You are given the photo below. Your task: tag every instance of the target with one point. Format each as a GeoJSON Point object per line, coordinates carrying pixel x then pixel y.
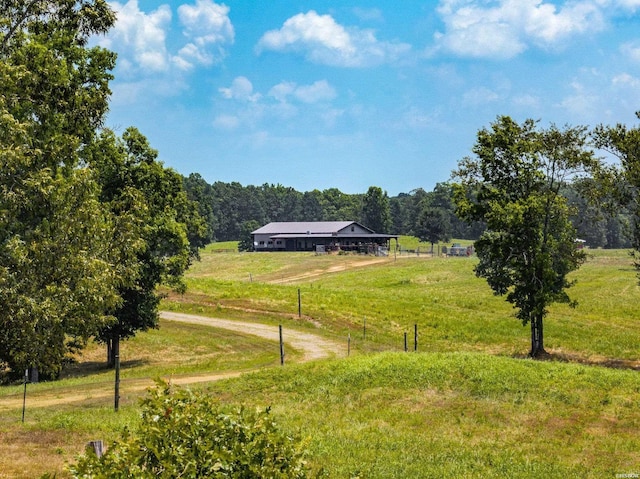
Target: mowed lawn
{"type": "Point", "coordinates": [467, 404]}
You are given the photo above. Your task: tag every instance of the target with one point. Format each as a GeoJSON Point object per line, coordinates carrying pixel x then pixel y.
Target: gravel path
{"type": "Point", "coordinates": [311, 345]}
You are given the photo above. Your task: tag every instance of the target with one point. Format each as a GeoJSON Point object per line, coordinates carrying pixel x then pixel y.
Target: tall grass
{"type": "Point", "coordinates": [454, 415]}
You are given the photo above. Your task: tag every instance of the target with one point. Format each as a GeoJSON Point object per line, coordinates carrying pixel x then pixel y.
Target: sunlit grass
{"type": "Point", "coordinates": [453, 309]}
{"type": "Point", "coordinates": [466, 405]}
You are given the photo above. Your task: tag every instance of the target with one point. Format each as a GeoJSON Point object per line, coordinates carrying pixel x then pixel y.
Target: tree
{"type": "Point", "coordinates": [624, 143]}
{"type": "Point", "coordinates": [433, 225]}
{"type": "Point", "coordinates": [246, 240]}
{"type": "Point", "coordinates": [513, 184]}
{"type": "Point", "coordinates": [149, 200]}
{"type": "Point", "coordinates": [376, 213]}
{"type": "Point", "coordinates": [56, 278]}
{"type": "Point", "coordinates": [200, 192]}
{"type": "Point", "coordinates": [189, 434]}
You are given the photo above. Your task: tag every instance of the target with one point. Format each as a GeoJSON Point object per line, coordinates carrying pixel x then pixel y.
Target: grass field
{"type": "Point", "coordinates": [466, 405]}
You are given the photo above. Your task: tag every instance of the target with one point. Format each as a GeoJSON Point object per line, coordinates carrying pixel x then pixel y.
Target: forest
{"type": "Point", "coordinates": [232, 210]}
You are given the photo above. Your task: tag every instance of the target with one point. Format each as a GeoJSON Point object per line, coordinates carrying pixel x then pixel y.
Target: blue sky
{"type": "Point", "coordinates": [321, 94]}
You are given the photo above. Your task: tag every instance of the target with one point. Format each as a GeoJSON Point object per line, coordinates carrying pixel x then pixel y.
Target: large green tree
{"type": "Point", "coordinates": [513, 183]}
{"type": "Point", "coordinates": [624, 184]}
{"type": "Point", "coordinates": [433, 225]}
{"type": "Point", "coordinates": [376, 212]}
{"type": "Point", "coordinates": [56, 275]}
{"type": "Point", "coordinates": [148, 199]}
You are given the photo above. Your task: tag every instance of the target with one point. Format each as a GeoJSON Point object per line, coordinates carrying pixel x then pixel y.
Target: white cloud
{"type": "Point", "coordinates": [480, 96]}
{"type": "Point", "coordinates": [140, 37]}
{"type": "Point", "coordinates": [322, 40]}
{"type": "Point", "coordinates": [631, 50]}
{"type": "Point", "coordinates": [314, 93]}
{"type": "Point", "coordinates": [207, 27]}
{"type": "Point", "coordinates": [627, 81]}
{"type": "Point", "coordinates": [583, 102]}
{"type": "Point", "coordinates": [505, 28]}
{"type": "Point", "coordinates": [226, 122]}
{"type": "Point", "coordinates": [627, 4]}
{"type": "Point", "coordinates": [241, 89]}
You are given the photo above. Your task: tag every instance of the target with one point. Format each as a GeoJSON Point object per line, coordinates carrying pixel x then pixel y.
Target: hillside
{"type": "Point", "coordinates": [466, 404]}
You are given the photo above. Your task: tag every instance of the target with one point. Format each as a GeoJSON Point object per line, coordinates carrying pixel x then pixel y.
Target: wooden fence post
{"type": "Point", "coordinates": [24, 397]}
{"type": "Point", "coordinates": [97, 447]}
{"type": "Point", "coordinates": [281, 346]}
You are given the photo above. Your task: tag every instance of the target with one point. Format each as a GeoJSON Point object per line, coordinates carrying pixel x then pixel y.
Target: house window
{"type": "Point", "coordinates": [353, 228]}
{"type": "Point", "coordinates": [261, 243]}
{"type": "Point", "coordinates": [278, 242]}
{"type": "Point", "coordinates": [270, 243]}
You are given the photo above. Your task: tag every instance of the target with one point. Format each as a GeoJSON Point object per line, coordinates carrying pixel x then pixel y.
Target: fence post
{"type": "Point", "coordinates": [97, 447]}
{"type": "Point", "coordinates": [281, 346]}
{"type": "Point", "coordinates": [116, 400]}
{"type": "Point", "coordinates": [405, 342]}
{"type": "Point", "coordinates": [299, 304]}
{"type": "Point", "coordinates": [349, 345]}
{"type": "Point", "coordinates": [24, 397]}
{"type": "Point", "coordinates": [415, 337]}
{"type": "Point", "coordinates": [364, 328]}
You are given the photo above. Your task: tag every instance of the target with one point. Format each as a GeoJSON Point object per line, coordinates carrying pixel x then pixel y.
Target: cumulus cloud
{"type": "Point", "coordinates": [208, 28]}
{"type": "Point", "coordinates": [322, 40]}
{"type": "Point", "coordinates": [141, 35]}
{"type": "Point", "coordinates": [241, 89]}
{"type": "Point", "coordinates": [504, 28]}
{"type": "Point", "coordinates": [316, 92]}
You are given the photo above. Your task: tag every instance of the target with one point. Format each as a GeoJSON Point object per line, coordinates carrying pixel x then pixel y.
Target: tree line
{"type": "Point", "coordinates": [232, 211]}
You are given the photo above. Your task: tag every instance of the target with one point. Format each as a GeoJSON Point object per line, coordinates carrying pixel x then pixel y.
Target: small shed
{"type": "Point", "coordinates": [320, 235]}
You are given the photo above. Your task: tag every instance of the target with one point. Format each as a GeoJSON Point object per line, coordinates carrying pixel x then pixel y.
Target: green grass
{"type": "Point", "coordinates": [466, 405]}
{"type": "Point", "coordinates": [454, 415]}
{"type": "Point", "coordinates": [454, 310]}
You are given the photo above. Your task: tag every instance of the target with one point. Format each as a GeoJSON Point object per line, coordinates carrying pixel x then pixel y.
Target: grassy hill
{"type": "Point", "coordinates": [465, 405]}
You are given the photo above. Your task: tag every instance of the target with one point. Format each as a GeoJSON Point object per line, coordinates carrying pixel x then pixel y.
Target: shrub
{"type": "Point", "coordinates": [188, 435]}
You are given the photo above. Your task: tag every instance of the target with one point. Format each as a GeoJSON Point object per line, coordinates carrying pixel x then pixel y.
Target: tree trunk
{"type": "Point", "coordinates": [537, 337]}
{"type": "Point", "coordinates": [109, 344]}
{"type": "Point", "coordinates": [113, 350]}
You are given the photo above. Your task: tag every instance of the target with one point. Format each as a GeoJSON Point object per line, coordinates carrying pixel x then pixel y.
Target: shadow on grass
{"type": "Point", "coordinates": [88, 368]}
{"type": "Point", "coordinates": [565, 357]}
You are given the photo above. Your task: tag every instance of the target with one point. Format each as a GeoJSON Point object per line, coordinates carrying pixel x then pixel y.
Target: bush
{"type": "Point", "coordinates": [190, 435]}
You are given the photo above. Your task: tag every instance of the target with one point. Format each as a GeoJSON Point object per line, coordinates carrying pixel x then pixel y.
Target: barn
{"type": "Point", "coordinates": [320, 236]}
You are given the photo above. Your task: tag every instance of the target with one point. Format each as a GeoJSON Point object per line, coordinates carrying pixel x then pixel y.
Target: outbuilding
{"type": "Point", "coordinates": [320, 236]}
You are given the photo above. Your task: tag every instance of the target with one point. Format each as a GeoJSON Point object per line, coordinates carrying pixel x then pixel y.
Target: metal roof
{"type": "Point", "coordinates": [305, 227]}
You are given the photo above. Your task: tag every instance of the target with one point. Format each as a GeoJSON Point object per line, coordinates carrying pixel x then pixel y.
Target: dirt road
{"type": "Point", "coordinates": [311, 345]}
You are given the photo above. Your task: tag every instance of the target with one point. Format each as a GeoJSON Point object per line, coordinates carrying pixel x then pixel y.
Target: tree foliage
{"type": "Point", "coordinates": [55, 264]}
{"type": "Point", "coordinates": [376, 213]}
{"type": "Point", "coordinates": [151, 204]}
{"type": "Point", "coordinates": [513, 183]}
{"type": "Point", "coordinates": [190, 435]}
{"type": "Point", "coordinates": [624, 143]}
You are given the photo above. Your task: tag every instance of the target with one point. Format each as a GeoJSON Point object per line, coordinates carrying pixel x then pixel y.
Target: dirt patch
{"type": "Point", "coordinates": [333, 269]}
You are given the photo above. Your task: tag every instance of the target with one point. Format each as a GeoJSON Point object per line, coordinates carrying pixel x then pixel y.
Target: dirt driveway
{"type": "Point", "coordinates": [311, 345]}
